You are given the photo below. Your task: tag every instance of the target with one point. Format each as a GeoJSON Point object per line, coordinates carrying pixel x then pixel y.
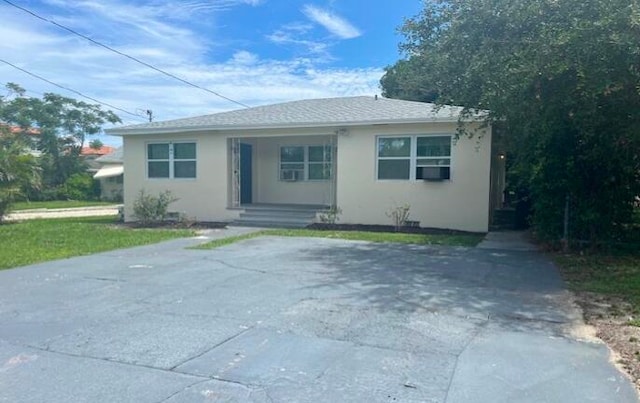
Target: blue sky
{"type": "Point", "coordinates": [254, 51]}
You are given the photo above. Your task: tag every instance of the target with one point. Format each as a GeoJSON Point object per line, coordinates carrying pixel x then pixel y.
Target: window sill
{"type": "Point", "coordinates": [307, 181]}
{"type": "Point", "coordinates": [413, 180]}
{"type": "Point", "coordinates": [172, 179]}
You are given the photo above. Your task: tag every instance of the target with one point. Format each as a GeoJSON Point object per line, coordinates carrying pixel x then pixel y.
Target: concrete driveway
{"type": "Point", "coordinates": [297, 320]}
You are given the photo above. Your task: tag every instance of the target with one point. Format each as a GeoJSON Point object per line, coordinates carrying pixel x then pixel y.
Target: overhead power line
{"type": "Point", "coordinates": [125, 55]}
{"type": "Point", "coordinates": [69, 89]}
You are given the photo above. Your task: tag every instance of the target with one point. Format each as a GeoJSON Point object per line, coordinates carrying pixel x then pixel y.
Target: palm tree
{"type": "Point", "coordinates": [18, 169]}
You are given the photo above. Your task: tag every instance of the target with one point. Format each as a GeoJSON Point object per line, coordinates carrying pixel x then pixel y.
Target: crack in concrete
{"type": "Point", "coordinates": [173, 369]}
{"type": "Point", "coordinates": [480, 328]}
{"type": "Point", "coordinates": [248, 386]}
{"type": "Point", "coordinates": [243, 268]}
{"type": "Point", "coordinates": [115, 280]}
{"type": "Point", "coordinates": [232, 266]}
{"type": "Point", "coordinates": [183, 389]}
{"type": "Point", "coordinates": [90, 357]}
{"type": "Point", "coordinates": [251, 388]}
{"type": "Point", "coordinates": [266, 393]}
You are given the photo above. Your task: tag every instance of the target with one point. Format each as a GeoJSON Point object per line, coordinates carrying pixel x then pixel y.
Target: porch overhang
{"type": "Point", "coordinates": [109, 172]}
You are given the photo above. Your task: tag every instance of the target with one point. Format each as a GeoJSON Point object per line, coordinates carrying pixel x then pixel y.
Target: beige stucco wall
{"type": "Point", "coordinates": [461, 203]}
{"type": "Point", "coordinates": [203, 198]}
{"type": "Point", "coordinates": [207, 197]}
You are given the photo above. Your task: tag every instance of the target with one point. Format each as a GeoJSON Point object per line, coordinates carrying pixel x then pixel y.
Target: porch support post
{"type": "Point", "coordinates": [334, 170]}
{"type": "Point", "coordinates": [235, 172]}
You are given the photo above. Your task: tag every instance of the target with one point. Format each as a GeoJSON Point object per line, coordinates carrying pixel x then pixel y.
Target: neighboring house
{"type": "Point", "coordinates": [32, 136]}
{"type": "Point", "coordinates": [89, 155]}
{"type": "Point", "coordinates": [110, 174]}
{"type": "Point", "coordinates": [365, 155]}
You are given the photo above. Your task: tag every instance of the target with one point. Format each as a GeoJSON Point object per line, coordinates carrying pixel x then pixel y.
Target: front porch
{"type": "Point", "coordinates": [282, 172]}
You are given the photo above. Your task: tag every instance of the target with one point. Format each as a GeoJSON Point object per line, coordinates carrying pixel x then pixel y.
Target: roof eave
{"type": "Point", "coordinates": [184, 129]}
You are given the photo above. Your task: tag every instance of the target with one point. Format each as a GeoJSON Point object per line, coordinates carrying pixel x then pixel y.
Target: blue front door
{"type": "Point", "coordinates": [245, 173]}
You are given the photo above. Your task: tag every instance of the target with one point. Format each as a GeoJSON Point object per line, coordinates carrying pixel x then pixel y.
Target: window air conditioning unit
{"type": "Point", "coordinates": [291, 175]}
{"type": "Point", "coordinates": [433, 173]}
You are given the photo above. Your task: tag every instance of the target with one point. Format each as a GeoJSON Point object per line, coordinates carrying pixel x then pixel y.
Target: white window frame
{"type": "Point", "coordinates": [413, 155]}
{"type": "Point", "coordinates": [305, 163]}
{"type": "Point", "coordinates": [280, 163]}
{"type": "Point", "coordinates": [171, 160]}
{"type": "Point", "coordinates": [402, 158]}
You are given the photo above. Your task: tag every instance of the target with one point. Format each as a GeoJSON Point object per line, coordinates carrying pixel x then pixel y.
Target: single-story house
{"type": "Point", "coordinates": [89, 155]}
{"type": "Point", "coordinates": [364, 155]}
{"type": "Point", "coordinates": [110, 173]}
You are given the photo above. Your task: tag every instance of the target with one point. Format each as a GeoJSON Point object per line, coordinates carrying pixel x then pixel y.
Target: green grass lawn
{"type": "Point", "coordinates": [604, 274]}
{"type": "Point", "coordinates": [56, 204]}
{"type": "Point", "coordinates": [34, 241]}
{"type": "Point", "coordinates": [419, 239]}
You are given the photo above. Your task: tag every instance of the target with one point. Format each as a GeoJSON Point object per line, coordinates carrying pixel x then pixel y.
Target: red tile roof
{"type": "Point", "coordinates": [18, 129]}
{"type": "Point", "coordinates": [104, 150]}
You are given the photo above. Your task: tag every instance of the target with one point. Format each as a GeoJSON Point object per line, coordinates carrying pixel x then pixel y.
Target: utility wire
{"type": "Point", "coordinates": [69, 89]}
{"type": "Point", "coordinates": [125, 55]}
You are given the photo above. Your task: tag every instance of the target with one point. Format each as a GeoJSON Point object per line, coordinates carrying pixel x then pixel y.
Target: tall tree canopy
{"type": "Point", "coordinates": [561, 77]}
{"type": "Point", "coordinates": [63, 125]}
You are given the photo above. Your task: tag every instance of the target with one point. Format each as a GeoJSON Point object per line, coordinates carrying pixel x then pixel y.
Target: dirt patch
{"type": "Point", "coordinates": [609, 316]}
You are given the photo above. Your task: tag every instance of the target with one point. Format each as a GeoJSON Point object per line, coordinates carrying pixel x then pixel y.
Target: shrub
{"type": "Point", "coordinates": [149, 209]}
{"type": "Point", "coordinates": [399, 215]}
{"type": "Point", "coordinates": [330, 216]}
{"type": "Point", "coordinates": [81, 186]}
{"type": "Point", "coordinates": [45, 194]}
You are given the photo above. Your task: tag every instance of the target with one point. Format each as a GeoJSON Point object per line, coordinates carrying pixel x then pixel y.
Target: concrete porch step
{"type": "Point", "coordinates": [277, 216]}
{"type": "Point", "coordinates": [268, 224]}
{"type": "Point", "coordinates": [303, 215]}
{"type": "Point", "coordinates": [504, 219]}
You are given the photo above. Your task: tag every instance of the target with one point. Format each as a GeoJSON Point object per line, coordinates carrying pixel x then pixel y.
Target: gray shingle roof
{"type": "Point", "coordinates": [348, 111]}
{"type": "Point", "coordinates": [111, 158]}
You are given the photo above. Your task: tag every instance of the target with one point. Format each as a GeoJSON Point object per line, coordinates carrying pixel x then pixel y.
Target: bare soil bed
{"type": "Point", "coordinates": [389, 228]}
{"type": "Point", "coordinates": [610, 316]}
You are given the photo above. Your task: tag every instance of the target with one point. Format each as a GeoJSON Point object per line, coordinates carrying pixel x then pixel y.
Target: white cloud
{"type": "Point", "coordinates": [244, 58]}
{"type": "Point", "coordinates": [286, 36]}
{"type": "Point", "coordinates": [167, 8]}
{"type": "Point", "coordinates": [335, 24]}
{"type": "Point", "coordinates": [175, 47]}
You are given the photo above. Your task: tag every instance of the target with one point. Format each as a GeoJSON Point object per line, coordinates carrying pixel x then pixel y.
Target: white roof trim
{"type": "Point", "coordinates": [183, 129]}
{"type": "Point", "coordinates": [109, 171]}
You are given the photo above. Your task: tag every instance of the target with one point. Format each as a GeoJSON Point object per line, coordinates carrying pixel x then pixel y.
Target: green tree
{"type": "Point", "coordinates": [96, 144]}
{"type": "Point", "coordinates": [405, 80]}
{"type": "Point", "coordinates": [18, 168]}
{"type": "Point", "coordinates": [63, 124]}
{"type": "Point", "coordinates": [562, 78]}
